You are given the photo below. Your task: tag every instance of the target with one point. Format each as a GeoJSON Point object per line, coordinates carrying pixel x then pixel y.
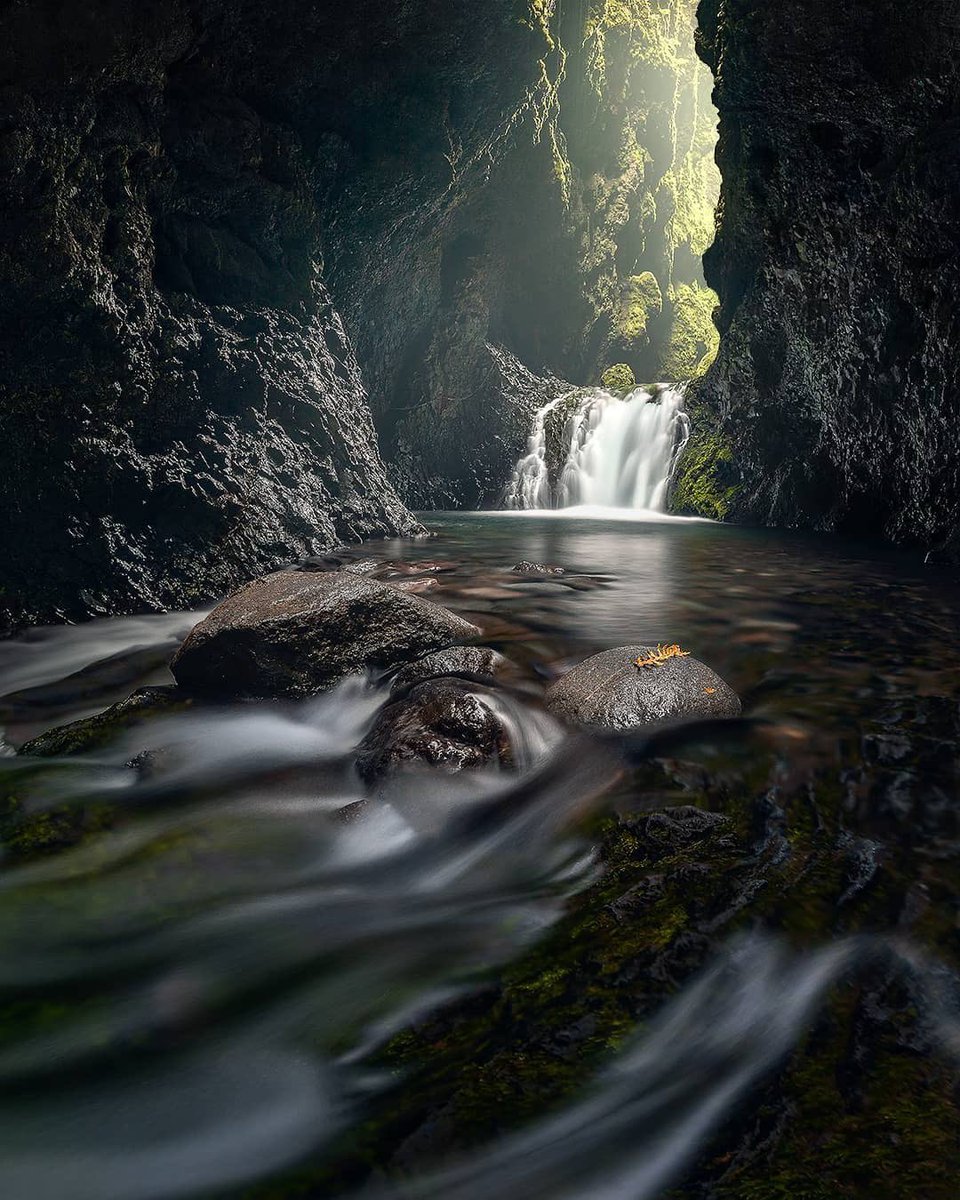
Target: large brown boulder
{"type": "Point", "coordinates": [609, 691]}
{"type": "Point", "coordinates": [295, 634]}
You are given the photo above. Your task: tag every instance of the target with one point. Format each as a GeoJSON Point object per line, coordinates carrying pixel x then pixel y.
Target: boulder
{"type": "Point", "coordinates": [471, 661]}
{"type": "Point", "coordinates": [294, 634]}
{"type": "Point", "coordinates": [610, 691]}
{"type": "Point", "coordinates": [93, 733]}
{"type": "Point", "coordinates": [440, 723]}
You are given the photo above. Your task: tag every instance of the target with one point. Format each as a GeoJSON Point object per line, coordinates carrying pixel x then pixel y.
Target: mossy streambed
{"type": "Point", "coordinates": [227, 943]}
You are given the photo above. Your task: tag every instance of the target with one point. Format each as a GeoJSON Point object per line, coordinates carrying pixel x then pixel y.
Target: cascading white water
{"type": "Point", "coordinates": [615, 451]}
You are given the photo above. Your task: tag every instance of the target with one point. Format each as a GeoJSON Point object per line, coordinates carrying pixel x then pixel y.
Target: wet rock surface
{"type": "Point", "coordinates": [472, 661]}
{"type": "Point", "coordinates": [609, 691]}
{"type": "Point", "coordinates": [836, 262]}
{"type": "Point", "coordinates": [536, 568]}
{"type": "Point", "coordinates": [294, 634]}
{"type": "Point", "coordinates": [441, 723]}
{"type": "Point", "coordinates": [91, 733]}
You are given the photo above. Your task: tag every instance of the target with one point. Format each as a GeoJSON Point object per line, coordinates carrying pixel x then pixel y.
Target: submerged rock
{"type": "Point", "coordinates": [536, 568]}
{"type": "Point", "coordinates": [472, 661]}
{"type": "Point", "coordinates": [294, 634]}
{"type": "Point", "coordinates": [440, 723]}
{"type": "Point", "coordinates": [610, 691]}
{"type": "Point", "coordinates": [91, 733]}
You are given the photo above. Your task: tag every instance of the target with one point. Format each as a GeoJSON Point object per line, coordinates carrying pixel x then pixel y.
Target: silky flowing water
{"type": "Point", "coordinates": [195, 999]}
{"type": "Point", "coordinates": [609, 451]}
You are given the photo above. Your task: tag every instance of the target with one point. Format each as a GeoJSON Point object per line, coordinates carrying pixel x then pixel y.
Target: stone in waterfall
{"type": "Point", "coordinates": [440, 723]}
{"type": "Point", "coordinates": [610, 691]}
{"type": "Point", "coordinates": [294, 634]}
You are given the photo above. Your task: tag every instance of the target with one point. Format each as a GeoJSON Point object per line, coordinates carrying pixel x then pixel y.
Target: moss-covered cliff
{"type": "Point", "coordinates": [572, 237]}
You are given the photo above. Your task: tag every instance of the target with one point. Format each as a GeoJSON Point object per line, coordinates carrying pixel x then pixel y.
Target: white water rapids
{"type": "Point", "coordinates": [616, 452]}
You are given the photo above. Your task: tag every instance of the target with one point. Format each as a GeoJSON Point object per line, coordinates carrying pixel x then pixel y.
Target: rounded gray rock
{"type": "Point", "coordinates": [609, 691]}
{"type": "Point", "coordinates": [294, 634]}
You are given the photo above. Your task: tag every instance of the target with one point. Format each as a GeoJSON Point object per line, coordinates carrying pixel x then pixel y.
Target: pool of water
{"type": "Point", "coordinates": [195, 996]}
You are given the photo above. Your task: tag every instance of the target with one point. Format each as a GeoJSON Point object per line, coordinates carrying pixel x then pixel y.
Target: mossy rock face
{"type": "Point", "coordinates": [92, 733]}
{"type": "Point", "coordinates": [694, 340]}
{"type": "Point", "coordinates": [619, 378]}
{"type": "Point", "coordinates": [26, 836]}
{"type": "Point", "coordinates": [642, 298]}
{"type": "Point", "coordinates": [707, 481]}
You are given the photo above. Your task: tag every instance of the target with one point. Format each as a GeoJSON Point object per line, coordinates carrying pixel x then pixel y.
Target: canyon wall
{"type": "Point", "coordinates": [275, 273]}
{"type": "Point", "coordinates": [247, 245]}
{"type": "Point", "coordinates": [838, 263]}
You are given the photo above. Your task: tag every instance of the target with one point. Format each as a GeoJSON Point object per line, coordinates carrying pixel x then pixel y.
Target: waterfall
{"type": "Point", "coordinates": [595, 448]}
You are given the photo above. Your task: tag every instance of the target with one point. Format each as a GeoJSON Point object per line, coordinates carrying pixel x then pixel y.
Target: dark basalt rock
{"type": "Point", "coordinates": [228, 223]}
{"type": "Point", "coordinates": [472, 661]}
{"type": "Point", "coordinates": [609, 691]}
{"type": "Point", "coordinates": [837, 262]}
{"type": "Point", "coordinates": [441, 723]}
{"type": "Point", "coordinates": [92, 733]}
{"type": "Point", "coordinates": [295, 634]}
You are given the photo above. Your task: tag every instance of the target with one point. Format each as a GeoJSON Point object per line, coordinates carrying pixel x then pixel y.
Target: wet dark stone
{"type": "Point", "coordinates": [440, 723]}
{"type": "Point", "coordinates": [533, 568]}
{"type": "Point", "coordinates": [609, 691]}
{"type": "Point", "coordinates": [835, 260]}
{"type": "Point", "coordinates": [295, 634]}
{"type": "Point", "coordinates": [472, 661]}
{"type": "Point", "coordinates": [91, 733]}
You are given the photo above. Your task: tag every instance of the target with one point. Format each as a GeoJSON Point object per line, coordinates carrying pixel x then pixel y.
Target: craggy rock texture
{"type": "Point", "coordinates": [440, 723]}
{"type": "Point", "coordinates": [838, 261]}
{"type": "Point", "coordinates": [181, 403]}
{"type": "Point", "coordinates": [609, 691]}
{"type": "Point", "coordinates": [194, 192]}
{"type": "Point", "coordinates": [296, 634]}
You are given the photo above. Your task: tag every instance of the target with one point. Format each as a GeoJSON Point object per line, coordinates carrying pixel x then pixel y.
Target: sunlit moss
{"type": "Point", "coordinates": [619, 378]}
{"type": "Point", "coordinates": [641, 298]}
{"type": "Point", "coordinates": [693, 341]}
{"type": "Point", "coordinates": [537, 15]}
{"type": "Point", "coordinates": [705, 484]}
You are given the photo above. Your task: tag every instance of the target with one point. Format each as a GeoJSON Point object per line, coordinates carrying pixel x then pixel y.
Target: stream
{"type": "Point", "coordinates": [196, 999]}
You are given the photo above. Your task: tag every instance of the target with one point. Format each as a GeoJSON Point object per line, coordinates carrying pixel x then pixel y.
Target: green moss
{"type": "Point", "coordinates": [694, 341]}
{"type": "Point", "coordinates": [642, 297]}
{"type": "Point", "coordinates": [898, 1136]}
{"type": "Point", "coordinates": [705, 483]}
{"type": "Point", "coordinates": [26, 837]}
{"type": "Point", "coordinates": [619, 378]}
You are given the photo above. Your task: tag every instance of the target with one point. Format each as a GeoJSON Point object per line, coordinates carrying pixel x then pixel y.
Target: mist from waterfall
{"type": "Point", "coordinates": [596, 449]}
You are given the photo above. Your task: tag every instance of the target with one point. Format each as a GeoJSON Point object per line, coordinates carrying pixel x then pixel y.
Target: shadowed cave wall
{"type": "Point", "coordinates": [838, 263]}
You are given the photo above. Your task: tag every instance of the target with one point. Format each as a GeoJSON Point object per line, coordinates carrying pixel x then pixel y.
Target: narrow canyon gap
{"type": "Point", "coordinates": [275, 274]}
